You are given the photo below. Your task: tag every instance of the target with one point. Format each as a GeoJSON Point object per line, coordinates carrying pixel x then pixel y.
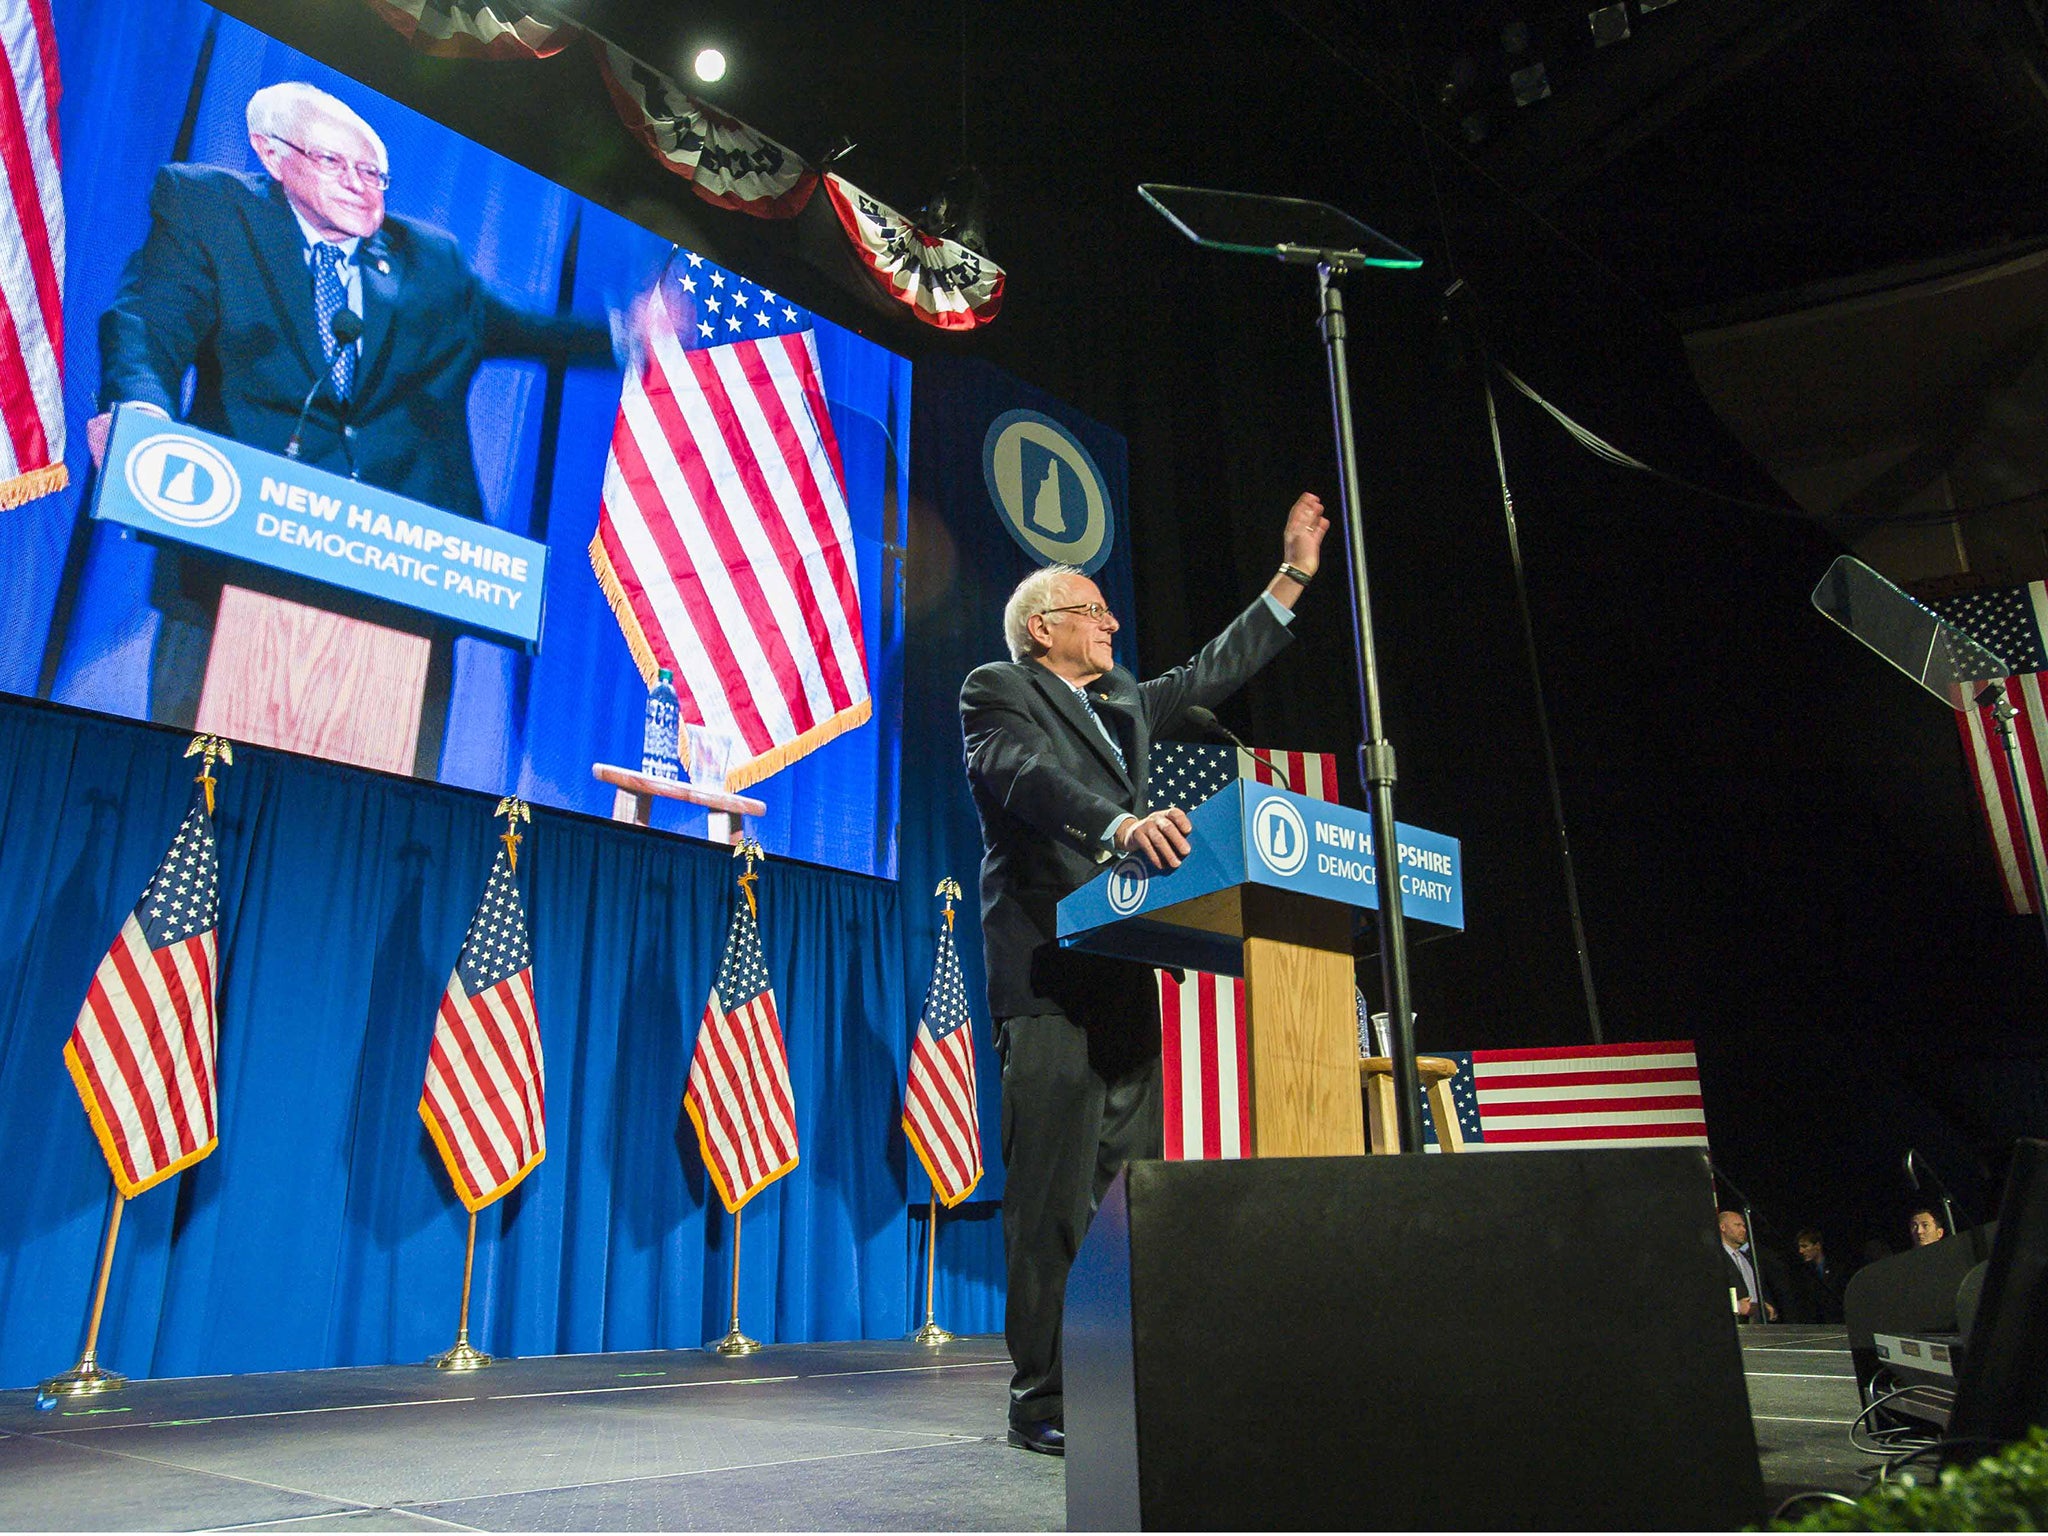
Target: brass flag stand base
{"type": "Point", "coordinates": [86, 1377]}
{"type": "Point", "coordinates": [735, 1342]}
{"type": "Point", "coordinates": [462, 1355]}
{"type": "Point", "coordinates": [931, 1332]}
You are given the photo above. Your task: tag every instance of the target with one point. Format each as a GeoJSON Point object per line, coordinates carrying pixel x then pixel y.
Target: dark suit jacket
{"type": "Point", "coordinates": [1764, 1283]}
{"type": "Point", "coordinates": [1046, 785]}
{"type": "Point", "coordinates": [222, 283]}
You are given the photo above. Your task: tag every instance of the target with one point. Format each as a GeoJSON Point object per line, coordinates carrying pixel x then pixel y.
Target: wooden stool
{"type": "Point", "coordinates": [1434, 1073]}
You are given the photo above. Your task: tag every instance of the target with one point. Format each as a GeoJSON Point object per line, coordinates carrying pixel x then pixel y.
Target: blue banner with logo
{"type": "Point", "coordinates": [173, 481]}
{"type": "Point", "coordinates": [1255, 834]}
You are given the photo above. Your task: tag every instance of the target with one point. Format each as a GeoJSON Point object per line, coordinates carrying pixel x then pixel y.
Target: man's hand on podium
{"type": "Point", "coordinates": [1161, 837]}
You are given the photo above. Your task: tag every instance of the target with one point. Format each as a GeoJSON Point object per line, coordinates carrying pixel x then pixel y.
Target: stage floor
{"type": "Point", "coordinates": [864, 1436]}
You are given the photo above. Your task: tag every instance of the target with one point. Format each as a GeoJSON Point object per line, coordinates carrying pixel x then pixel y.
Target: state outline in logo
{"type": "Point", "coordinates": [143, 470]}
{"type": "Point", "coordinates": [1002, 471]}
{"type": "Point", "coordinates": [1128, 885]}
{"type": "Point", "coordinates": [1269, 811]}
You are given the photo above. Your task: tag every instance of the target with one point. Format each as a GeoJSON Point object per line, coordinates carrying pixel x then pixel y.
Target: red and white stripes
{"type": "Point", "coordinates": [31, 258]}
{"type": "Point", "coordinates": [485, 1096]}
{"type": "Point", "coordinates": [142, 1056]}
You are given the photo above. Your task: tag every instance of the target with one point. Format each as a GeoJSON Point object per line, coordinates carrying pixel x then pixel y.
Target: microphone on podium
{"type": "Point", "coordinates": [346, 326]}
{"type": "Point", "coordinates": [1205, 720]}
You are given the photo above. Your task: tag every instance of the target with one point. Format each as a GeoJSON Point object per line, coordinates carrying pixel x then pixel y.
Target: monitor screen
{"type": "Point", "coordinates": [414, 459]}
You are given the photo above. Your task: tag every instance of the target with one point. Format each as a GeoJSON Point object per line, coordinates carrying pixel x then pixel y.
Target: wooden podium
{"type": "Point", "coordinates": [1257, 899]}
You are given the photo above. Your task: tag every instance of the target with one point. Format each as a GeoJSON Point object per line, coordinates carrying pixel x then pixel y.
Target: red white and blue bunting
{"type": "Point", "coordinates": [476, 29]}
{"type": "Point", "coordinates": [942, 281]}
{"type": "Point", "coordinates": [724, 160]}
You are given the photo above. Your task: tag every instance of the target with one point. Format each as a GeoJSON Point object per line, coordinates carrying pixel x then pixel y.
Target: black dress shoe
{"type": "Point", "coordinates": [1046, 1438]}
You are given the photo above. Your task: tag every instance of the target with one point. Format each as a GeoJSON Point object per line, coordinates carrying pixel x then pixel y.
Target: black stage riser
{"type": "Point", "coordinates": [1524, 1340]}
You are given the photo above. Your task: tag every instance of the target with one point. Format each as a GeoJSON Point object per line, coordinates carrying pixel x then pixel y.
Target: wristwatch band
{"type": "Point", "coordinates": [1295, 573]}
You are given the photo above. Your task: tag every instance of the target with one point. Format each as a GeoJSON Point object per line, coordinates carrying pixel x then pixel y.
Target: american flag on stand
{"type": "Point", "coordinates": [2008, 621]}
{"type": "Point", "coordinates": [739, 1096]}
{"type": "Point", "coordinates": [485, 1096]}
{"type": "Point", "coordinates": [142, 1052]}
{"type": "Point", "coordinates": [1203, 1054]}
{"type": "Point", "coordinates": [941, 1112]}
{"type": "Point", "coordinates": [724, 544]}
{"type": "Point", "coordinates": [31, 259]}
{"type": "Point", "coordinates": [1645, 1094]}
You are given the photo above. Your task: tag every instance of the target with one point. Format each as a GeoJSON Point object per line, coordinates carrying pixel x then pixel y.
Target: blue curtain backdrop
{"type": "Point", "coordinates": [145, 84]}
{"type": "Point", "coordinates": [323, 1231]}
{"type": "Point", "coordinates": [965, 565]}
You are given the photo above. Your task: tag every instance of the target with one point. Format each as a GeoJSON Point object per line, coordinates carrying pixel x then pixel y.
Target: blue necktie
{"type": "Point", "coordinates": [330, 297]}
{"type": "Point", "coordinates": [1082, 695]}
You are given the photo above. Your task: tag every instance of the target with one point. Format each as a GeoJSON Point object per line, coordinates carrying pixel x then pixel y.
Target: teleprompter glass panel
{"type": "Point", "coordinates": [1257, 225]}
{"type": "Point", "coordinates": [1941, 658]}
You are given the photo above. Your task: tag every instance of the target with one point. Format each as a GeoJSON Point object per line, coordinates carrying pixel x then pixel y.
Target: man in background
{"type": "Point", "coordinates": [1753, 1301]}
{"type": "Point", "coordinates": [1817, 1282]}
{"type": "Point", "coordinates": [1926, 1226]}
{"type": "Point", "coordinates": [241, 280]}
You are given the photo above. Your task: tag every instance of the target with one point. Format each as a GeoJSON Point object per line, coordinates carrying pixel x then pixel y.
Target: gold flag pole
{"type": "Point", "coordinates": [735, 1342]}
{"type": "Point", "coordinates": [87, 1377]}
{"type": "Point", "coordinates": [931, 1332]}
{"type": "Point", "coordinates": [462, 1355]}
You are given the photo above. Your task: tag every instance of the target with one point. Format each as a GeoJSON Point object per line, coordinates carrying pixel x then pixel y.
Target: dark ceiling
{"type": "Point", "coordinates": [1725, 163]}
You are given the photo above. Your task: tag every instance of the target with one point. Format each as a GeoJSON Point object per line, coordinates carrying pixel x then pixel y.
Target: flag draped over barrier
{"type": "Point", "coordinates": [723, 543]}
{"type": "Point", "coordinates": [485, 1096]}
{"type": "Point", "coordinates": [1204, 1071]}
{"type": "Point", "coordinates": [941, 1112]}
{"type": "Point", "coordinates": [1631, 1094]}
{"type": "Point", "coordinates": [31, 258]}
{"type": "Point", "coordinates": [739, 1095]}
{"type": "Point", "coordinates": [142, 1051]}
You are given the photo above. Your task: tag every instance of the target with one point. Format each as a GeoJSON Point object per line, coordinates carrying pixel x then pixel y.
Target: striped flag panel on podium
{"type": "Point", "coordinates": [142, 1051]}
{"type": "Point", "coordinates": [1203, 1065]}
{"type": "Point", "coordinates": [485, 1096]}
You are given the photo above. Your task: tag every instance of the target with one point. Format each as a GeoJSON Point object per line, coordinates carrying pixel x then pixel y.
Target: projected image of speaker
{"type": "Point", "coordinates": [1521, 1340]}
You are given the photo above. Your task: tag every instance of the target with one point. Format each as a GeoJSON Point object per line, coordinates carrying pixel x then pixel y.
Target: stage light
{"type": "Point", "coordinates": [1531, 84]}
{"type": "Point", "coordinates": [709, 66]}
{"type": "Point", "coordinates": [1609, 24]}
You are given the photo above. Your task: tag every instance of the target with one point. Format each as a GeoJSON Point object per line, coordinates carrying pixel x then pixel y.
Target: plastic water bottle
{"type": "Point", "coordinates": [658, 755]}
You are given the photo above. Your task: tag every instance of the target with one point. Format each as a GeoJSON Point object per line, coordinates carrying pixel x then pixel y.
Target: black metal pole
{"type": "Point", "coordinates": [1376, 755]}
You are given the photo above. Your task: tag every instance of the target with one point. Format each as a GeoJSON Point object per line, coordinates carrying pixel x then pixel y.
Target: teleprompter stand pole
{"type": "Point", "coordinates": [1376, 755]}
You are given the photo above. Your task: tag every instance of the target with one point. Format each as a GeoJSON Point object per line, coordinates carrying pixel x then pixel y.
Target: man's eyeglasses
{"type": "Point", "coordinates": [1094, 611]}
{"type": "Point", "coordinates": [331, 165]}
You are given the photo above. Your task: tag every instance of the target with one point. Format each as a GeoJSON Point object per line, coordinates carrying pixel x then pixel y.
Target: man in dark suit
{"type": "Point", "coordinates": [1058, 741]}
{"type": "Point", "coordinates": [1817, 1283]}
{"type": "Point", "coordinates": [240, 279]}
{"type": "Point", "coordinates": [1754, 1298]}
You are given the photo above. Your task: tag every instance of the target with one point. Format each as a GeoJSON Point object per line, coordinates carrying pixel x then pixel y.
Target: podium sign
{"type": "Point", "coordinates": [173, 481]}
{"type": "Point", "coordinates": [1251, 834]}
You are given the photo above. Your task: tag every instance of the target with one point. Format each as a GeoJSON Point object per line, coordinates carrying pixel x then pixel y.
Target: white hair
{"type": "Point", "coordinates": [280, 111]}
{"type": "Point", "coordinates": [1035, 593]}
